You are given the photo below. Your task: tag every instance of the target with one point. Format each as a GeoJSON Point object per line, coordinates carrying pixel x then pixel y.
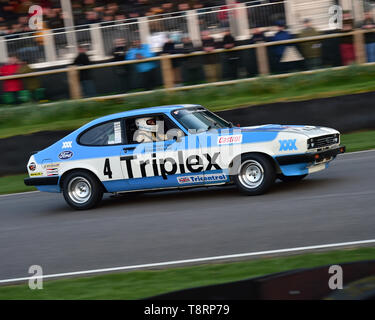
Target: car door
{"type": "Point", "coordinates": [216, 157]}
{"type": "Point", "coordinates": [99, 147]}
{"type": "Point", "coordinates": [174, 162]}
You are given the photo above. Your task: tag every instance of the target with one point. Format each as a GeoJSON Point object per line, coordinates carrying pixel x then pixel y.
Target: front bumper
{"type": "Point", "coordinates": [44, 181]}
{"type": "Point", "coordinates": [316, 157]}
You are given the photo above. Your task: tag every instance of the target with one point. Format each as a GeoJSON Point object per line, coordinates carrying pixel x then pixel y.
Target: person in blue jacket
{"type": "Point", "coordinates": [278, 51]}
{"type": "Point", "coordinates": [147, 70]}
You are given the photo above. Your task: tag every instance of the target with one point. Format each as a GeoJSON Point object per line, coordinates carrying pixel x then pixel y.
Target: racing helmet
{"type": "Point", "coordinates": [147, 124]}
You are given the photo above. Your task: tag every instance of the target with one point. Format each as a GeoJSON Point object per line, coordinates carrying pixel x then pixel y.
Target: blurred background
{"type": "Point", "coordinates": [231, 40]}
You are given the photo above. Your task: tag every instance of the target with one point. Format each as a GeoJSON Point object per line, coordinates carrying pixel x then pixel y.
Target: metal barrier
{"type": "Point", "coordinates": [264, 15]}
{"type": "Point", "coordinates": [263, 64]}
{"type": "Point", "coordinates": [61, 44]}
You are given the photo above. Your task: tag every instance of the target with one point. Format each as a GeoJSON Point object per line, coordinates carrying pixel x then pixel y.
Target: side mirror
{"type": "Point", "coordinates": [177, 139]}
{"type": "Point", "coordinates": [175, 134]}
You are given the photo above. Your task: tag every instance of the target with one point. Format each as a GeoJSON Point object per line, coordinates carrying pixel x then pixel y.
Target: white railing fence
{"type": "Point", "coordinates": [53, 47]}
{"type": "Point", "coordinates": [58, 47]}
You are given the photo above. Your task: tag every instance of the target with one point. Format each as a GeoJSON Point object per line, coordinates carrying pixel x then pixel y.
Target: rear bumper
{"type": "Point", "coordinates": [44, 181]}
{"type": "Point", "coordinates": [310, 157]}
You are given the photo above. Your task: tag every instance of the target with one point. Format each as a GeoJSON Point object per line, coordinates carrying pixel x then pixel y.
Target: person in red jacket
{"type": "Point", "coordinates": [11, 87]}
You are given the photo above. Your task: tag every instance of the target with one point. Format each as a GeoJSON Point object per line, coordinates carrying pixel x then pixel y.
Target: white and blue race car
{"type": "Point", "coordinates": [179, 146]}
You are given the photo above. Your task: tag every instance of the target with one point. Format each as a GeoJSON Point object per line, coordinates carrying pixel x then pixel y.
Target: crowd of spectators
{"type": "Point", "coordinates": [230, 65]}
{"type": "Point", "coordinates": [15, 91]}
{"type": "Point", "coordinates": [14, 14]}
{"type": "Point", "coordinates": [227, 65]}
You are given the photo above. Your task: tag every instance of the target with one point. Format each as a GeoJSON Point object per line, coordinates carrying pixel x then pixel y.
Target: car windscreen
{"type": "Point", "coordinates": [199, 119]}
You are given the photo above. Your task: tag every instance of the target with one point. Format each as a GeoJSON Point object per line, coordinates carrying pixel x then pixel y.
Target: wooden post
{"type": "Point", "coordinates": [74, 83]}
{"type": "Point", "coordinates": [97, 40]}
{"type": "Point", "coordinates": [167, 71]}
{"type": "Point", "coordinates": [3, 50]}
{"type": "Point", "coordinates": [193, 27]}
{"type": "Point", "coordinates": [144, 30]}
{"type": "Point", "coordinates": [49, 46]}
{"type": "Point", "coordinates": [359, 47]}
{"type": "Point", "coordinates": [262, 60]}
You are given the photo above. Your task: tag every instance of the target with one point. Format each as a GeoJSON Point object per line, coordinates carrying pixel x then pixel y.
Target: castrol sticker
{"type": "Point", "coordinates": [229, 139]}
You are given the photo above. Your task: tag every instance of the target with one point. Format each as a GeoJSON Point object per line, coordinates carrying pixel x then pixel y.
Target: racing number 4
{"type": "Point", "coordinates": [107, 169]}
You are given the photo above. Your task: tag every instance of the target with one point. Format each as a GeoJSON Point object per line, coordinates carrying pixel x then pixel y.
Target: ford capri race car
{"type": "Point", "coordinates": [177, 147]}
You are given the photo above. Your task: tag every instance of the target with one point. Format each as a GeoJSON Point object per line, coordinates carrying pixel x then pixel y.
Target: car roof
{"type": "Point", "coordinates": [141, 111]}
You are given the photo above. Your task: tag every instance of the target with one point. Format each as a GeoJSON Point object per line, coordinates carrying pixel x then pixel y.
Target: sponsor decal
{"type": "Point", "coordinates": [36, 174]}
{"type": "Point", "coordinates": [288, 145]}
{"type": "Point", "coordinates": [52, 172]}
{"type": "Point", "coordinates": [170, 166]}
{"type": "Point", "coordinates": [32, 166]}
{"type": "Point", "coordinates": [65, 155]}
{"type": "Point", "coordinates": [51, 166]}
{"type": "Point", "coordinates": [67, 144]}
{"type": "Point", "coordinates": [229, 139]}
{"type": "Point", "coordinates": [214, 177]}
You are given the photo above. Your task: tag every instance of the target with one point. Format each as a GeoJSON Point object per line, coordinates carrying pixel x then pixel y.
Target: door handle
{"type": "Point", "coordinates": [167, 145]}
{"type": "Point", "coordinates": [129, 149]}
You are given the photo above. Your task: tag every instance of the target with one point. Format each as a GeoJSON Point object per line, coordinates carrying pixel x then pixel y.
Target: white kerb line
{"type": "Point", "coordinates": [188, 261]}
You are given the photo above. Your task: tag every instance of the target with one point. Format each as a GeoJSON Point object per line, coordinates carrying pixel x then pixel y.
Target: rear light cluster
{"type": "Point", "coordinates": [323, 141]}
{"type": "Point", "coordinates": [32, 166]}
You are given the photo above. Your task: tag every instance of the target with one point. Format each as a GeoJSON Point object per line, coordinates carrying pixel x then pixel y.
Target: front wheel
{"type": "Point", "coordinates": [255, 174]}
{"type": "Point", "coordinates": [82, 190]}
{"type": "Point", "coordinates": [291, 178]}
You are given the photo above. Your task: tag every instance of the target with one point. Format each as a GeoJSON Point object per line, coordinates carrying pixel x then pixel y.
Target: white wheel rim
{"type": "Point", "coordinates": [251, 174]}
{"type": "Point", "coordinates": [79, 190]}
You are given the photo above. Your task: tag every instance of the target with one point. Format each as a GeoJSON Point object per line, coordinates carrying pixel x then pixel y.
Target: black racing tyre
{"type": "Point", "coordinates": [82, 190]}
{"type": "Point", "coordinates": [291, 178]}
{"type": "Point", "coordinates": [255, 174]}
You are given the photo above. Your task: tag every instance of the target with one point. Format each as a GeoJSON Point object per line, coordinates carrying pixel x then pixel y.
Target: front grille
{"type": "Point", "coordinates": [323, 141]}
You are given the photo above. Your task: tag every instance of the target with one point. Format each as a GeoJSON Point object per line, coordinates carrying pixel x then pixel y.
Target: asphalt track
{"type": "Point", "coordinates": [336, 205]}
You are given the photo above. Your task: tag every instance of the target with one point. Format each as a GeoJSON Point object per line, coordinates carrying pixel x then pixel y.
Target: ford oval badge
{"type": "Point", "coordinates": [65, 155]}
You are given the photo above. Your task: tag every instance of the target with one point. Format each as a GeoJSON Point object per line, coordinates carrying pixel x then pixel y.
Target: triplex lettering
{"type": "Point", "coordinates": [192, 164]}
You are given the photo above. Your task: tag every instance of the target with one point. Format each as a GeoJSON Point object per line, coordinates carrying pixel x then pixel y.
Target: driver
{"type": "Point", "coordinates": [148, 130]}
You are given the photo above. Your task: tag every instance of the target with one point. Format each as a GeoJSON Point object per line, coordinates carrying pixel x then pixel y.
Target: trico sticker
{"type": "Point", "coordinates": [65, 155]}
{"type": "Point", "coordinates": [36, 174]}
{"type": "Point", "coordinates": [229, 139]}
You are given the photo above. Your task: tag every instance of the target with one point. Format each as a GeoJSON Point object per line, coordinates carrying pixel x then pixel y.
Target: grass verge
{"type": "Point", "coordinates": [72, 114]}
{"type": "Point", "coordinates": [14, 184]}
{"type": "Point", "coordinates": [142, 284]}
{"type": "Point", "coordinates": [357, 141]}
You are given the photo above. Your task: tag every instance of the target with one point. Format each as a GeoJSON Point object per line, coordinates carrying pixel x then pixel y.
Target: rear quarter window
{"type": "Point", "coordinates": [106, 134]}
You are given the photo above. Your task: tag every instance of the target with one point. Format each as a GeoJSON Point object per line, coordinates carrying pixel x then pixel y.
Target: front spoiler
{"type": "Point", "coordinates": [44, 181]}
{"type": "Point", "coordinates": [310, 157]}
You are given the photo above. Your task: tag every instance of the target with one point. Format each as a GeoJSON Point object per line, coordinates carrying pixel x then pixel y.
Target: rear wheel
{"type": "Point", "coordinates": [255, 174]}
{"type": "Point", "coordinates": [82, 190]}
{"type": "Point", "coordinates": [291, 178]}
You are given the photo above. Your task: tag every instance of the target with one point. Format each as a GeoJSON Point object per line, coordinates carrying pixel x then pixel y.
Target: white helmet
{"type": "Point", "coordinates": [147, 124]}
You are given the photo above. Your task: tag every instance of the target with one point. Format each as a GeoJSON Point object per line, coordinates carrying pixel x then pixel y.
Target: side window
{"type": "Point", "coordinates": [105, 134]}
{"type": "Point", "coordinates": [150, 128]}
